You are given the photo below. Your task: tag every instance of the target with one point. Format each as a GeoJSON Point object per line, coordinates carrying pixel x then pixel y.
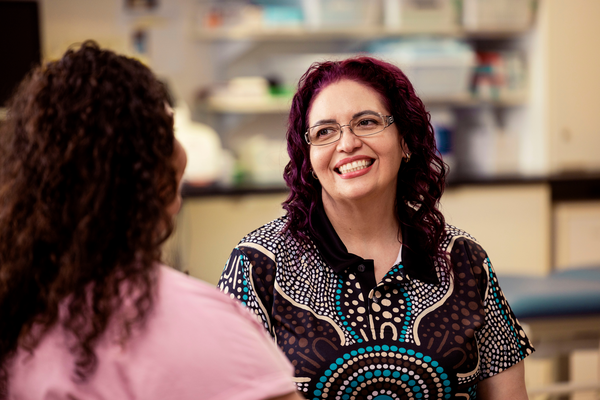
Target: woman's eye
{"type": "Point", "coordinates": [367, 122]}
{"type": "Point", "coordinates": [326, 131]}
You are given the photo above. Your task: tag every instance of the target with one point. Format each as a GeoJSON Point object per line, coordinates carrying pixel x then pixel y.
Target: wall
{"type": "Point", "coordinates": [573, 62]}
{"type": "Point", "coordinates": [170, 53]}
{"type": "Point", "coordinates": [65, 22]}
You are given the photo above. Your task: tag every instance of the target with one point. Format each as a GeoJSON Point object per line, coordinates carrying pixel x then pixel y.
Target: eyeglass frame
{"type": "Point", "coordinates": [389, 119]}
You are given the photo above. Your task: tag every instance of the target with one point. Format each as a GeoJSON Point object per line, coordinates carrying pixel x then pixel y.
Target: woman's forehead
{"type": "Point", "coordinates": [345, 98]}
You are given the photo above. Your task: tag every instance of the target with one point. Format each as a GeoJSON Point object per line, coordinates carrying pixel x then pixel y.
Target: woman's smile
{"type": "Point", "coordinates": [354, 166]}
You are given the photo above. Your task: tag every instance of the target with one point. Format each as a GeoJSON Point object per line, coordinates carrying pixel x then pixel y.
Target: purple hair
{"type": "Point", "coordinates": [420, 181]}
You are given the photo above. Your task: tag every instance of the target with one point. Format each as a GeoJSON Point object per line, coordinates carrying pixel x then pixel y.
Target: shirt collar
{"type": "Point", "coordinates": [333, 250]}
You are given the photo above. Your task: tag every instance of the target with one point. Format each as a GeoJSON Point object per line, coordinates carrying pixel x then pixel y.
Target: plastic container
{"type": "Point", "coordinates": [288, 67]}
{"type": "Point", "coordinates": [442, 120]}
{"type": "Point", "coordinates": [497, 14]}
{"type": "Point", "coordinates": [476, 146]}
{"type": "Point", "coordinates": [436, 68]}
{"type": "Point", "coordinates": [202, 145]}
{"type": "Point", "coordinates": [324, 14]}
{"type": "Point", "coordinates": [420, 15]}
{"type": "Point", "coordinates": [263, 160]}
{"type": "Point", "coordinates": [276, 16]}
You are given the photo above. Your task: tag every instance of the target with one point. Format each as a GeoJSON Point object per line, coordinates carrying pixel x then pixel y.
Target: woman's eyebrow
{"type": "Point", "coordinates": [333, 121]}
{"type": "Point", "coordinates": [324, 121]}
{"type": "Point", "coordinates": [365, 112]}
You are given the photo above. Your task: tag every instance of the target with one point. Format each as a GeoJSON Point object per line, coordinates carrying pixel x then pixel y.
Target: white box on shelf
{"type": "Point", "coordinates": [436, 68]}
{"type": "Point", "coordinates": [438, 78]}
{"type": "Point", "coordinates": [324, 14]}
{"type": "Point", "coordinates": [289, 67]}
{"type": "Point", "coordinates": [497, 14]}
{"type": "Point", "coordinates": [433, 15]}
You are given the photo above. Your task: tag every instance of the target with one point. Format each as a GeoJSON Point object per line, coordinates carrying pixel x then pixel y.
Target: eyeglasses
{"type": "Point", "coordinates": [366, 124]}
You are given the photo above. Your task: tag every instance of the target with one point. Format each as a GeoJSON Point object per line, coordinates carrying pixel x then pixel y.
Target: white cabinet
{"type": "Point", "coordinates": [208, 228]}
{"type": "Point", "coordinates": [576, 234]}
{"type": "Point", "coordinates": [511, 222]}
{"type": "Point", "coordinates": [572, 59]}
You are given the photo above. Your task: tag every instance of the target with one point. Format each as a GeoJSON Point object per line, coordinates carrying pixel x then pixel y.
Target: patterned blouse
{"type": "Point", "coordinates": [419, 333]}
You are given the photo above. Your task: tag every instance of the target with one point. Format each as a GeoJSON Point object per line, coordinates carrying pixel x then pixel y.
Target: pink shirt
{"type": "Point", "coordinates": [198, 344]}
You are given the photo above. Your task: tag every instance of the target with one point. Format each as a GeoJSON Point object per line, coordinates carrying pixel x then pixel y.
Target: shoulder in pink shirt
{"type": "Point", "coordinates": [197, 344]}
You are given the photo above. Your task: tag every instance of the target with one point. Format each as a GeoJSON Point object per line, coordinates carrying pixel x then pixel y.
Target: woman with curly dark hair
{"type": "Point", "coordinates": [362, 283]}
{"type": "Point", "coordinates": [89, 177]}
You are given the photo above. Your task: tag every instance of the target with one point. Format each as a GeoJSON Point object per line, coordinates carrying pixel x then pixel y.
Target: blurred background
{"type": "Point", "coordinates": [512, 87]}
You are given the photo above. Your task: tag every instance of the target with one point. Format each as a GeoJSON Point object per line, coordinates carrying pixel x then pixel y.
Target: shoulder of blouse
{"type": "Point", "coordinates": [468, 256]}
{"type": "Point", "coordinates": [453, 236]}
{"type": "Point", "coordinates": [269, 233]}
{"type": "Point", "coordinates": [271, 239]}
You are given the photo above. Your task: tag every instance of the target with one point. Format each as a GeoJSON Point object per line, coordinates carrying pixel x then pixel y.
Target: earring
{"type": "Point", "coordinates": [407, 158]}
{"type": "Point", "coordinates": [314, 175]}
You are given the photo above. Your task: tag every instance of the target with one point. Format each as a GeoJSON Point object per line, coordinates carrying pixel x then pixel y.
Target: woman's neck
{"type": "Point", "coordinates": [364, 226]}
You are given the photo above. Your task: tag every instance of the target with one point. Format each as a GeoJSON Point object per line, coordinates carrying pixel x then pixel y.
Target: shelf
{"type": "Point", "coordinates": [471, 101]}
{"type": "Point", "coordinates": [281, 105]}
{"type": "Point", "coordinates": [351, 33]}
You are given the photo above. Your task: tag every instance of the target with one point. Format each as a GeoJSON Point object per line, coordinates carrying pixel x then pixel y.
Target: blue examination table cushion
{"type": "Point", "coordinates": [566, 293]}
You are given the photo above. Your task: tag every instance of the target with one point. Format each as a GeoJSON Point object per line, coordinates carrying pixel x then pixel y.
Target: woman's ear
{"type": "Point", "coordinates": [405, 150]}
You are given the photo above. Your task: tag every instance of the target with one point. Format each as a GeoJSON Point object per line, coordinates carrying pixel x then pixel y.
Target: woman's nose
{"type": "Point", "coordinates": [349, 141]}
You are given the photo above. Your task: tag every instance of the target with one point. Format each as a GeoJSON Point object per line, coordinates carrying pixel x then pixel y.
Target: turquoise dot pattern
{"type": "Point", "coordinates": [340, 313]}
{"type": "Point", "coordinates": [502, 308]}
{"type": "Point", "coordinates": [423, 378]}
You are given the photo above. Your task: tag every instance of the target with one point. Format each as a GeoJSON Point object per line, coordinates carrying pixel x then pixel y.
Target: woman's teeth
{"type": "Point", "coordinates": [354, 166]}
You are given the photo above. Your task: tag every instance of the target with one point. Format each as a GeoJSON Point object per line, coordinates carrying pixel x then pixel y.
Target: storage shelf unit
{"type": "Point", "coordinates": [247, 51]}
{"type": "Point", "coordinates": [362, 33]}
{"type": "Point", "coordinates": [281, 105]}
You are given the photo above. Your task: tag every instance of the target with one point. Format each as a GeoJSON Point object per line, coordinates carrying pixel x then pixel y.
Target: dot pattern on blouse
{"type": "Point", "coordinates": [393, 371]}
{"type": "Point", "coordinates": [406, 339]}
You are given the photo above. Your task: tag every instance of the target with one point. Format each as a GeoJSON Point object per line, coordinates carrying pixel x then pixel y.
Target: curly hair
{"type": "Point", "coordinates": [420, 182]}
{"type": "Point", "coordinates": [86, 174]}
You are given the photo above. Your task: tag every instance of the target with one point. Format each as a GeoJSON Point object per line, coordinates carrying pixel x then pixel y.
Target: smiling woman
{"type": "Point", "coordinates": [362, 284]}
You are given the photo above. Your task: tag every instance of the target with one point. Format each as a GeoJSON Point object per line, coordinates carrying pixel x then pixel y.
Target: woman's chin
{"type": "Point", "coordinates": [352, 192]}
